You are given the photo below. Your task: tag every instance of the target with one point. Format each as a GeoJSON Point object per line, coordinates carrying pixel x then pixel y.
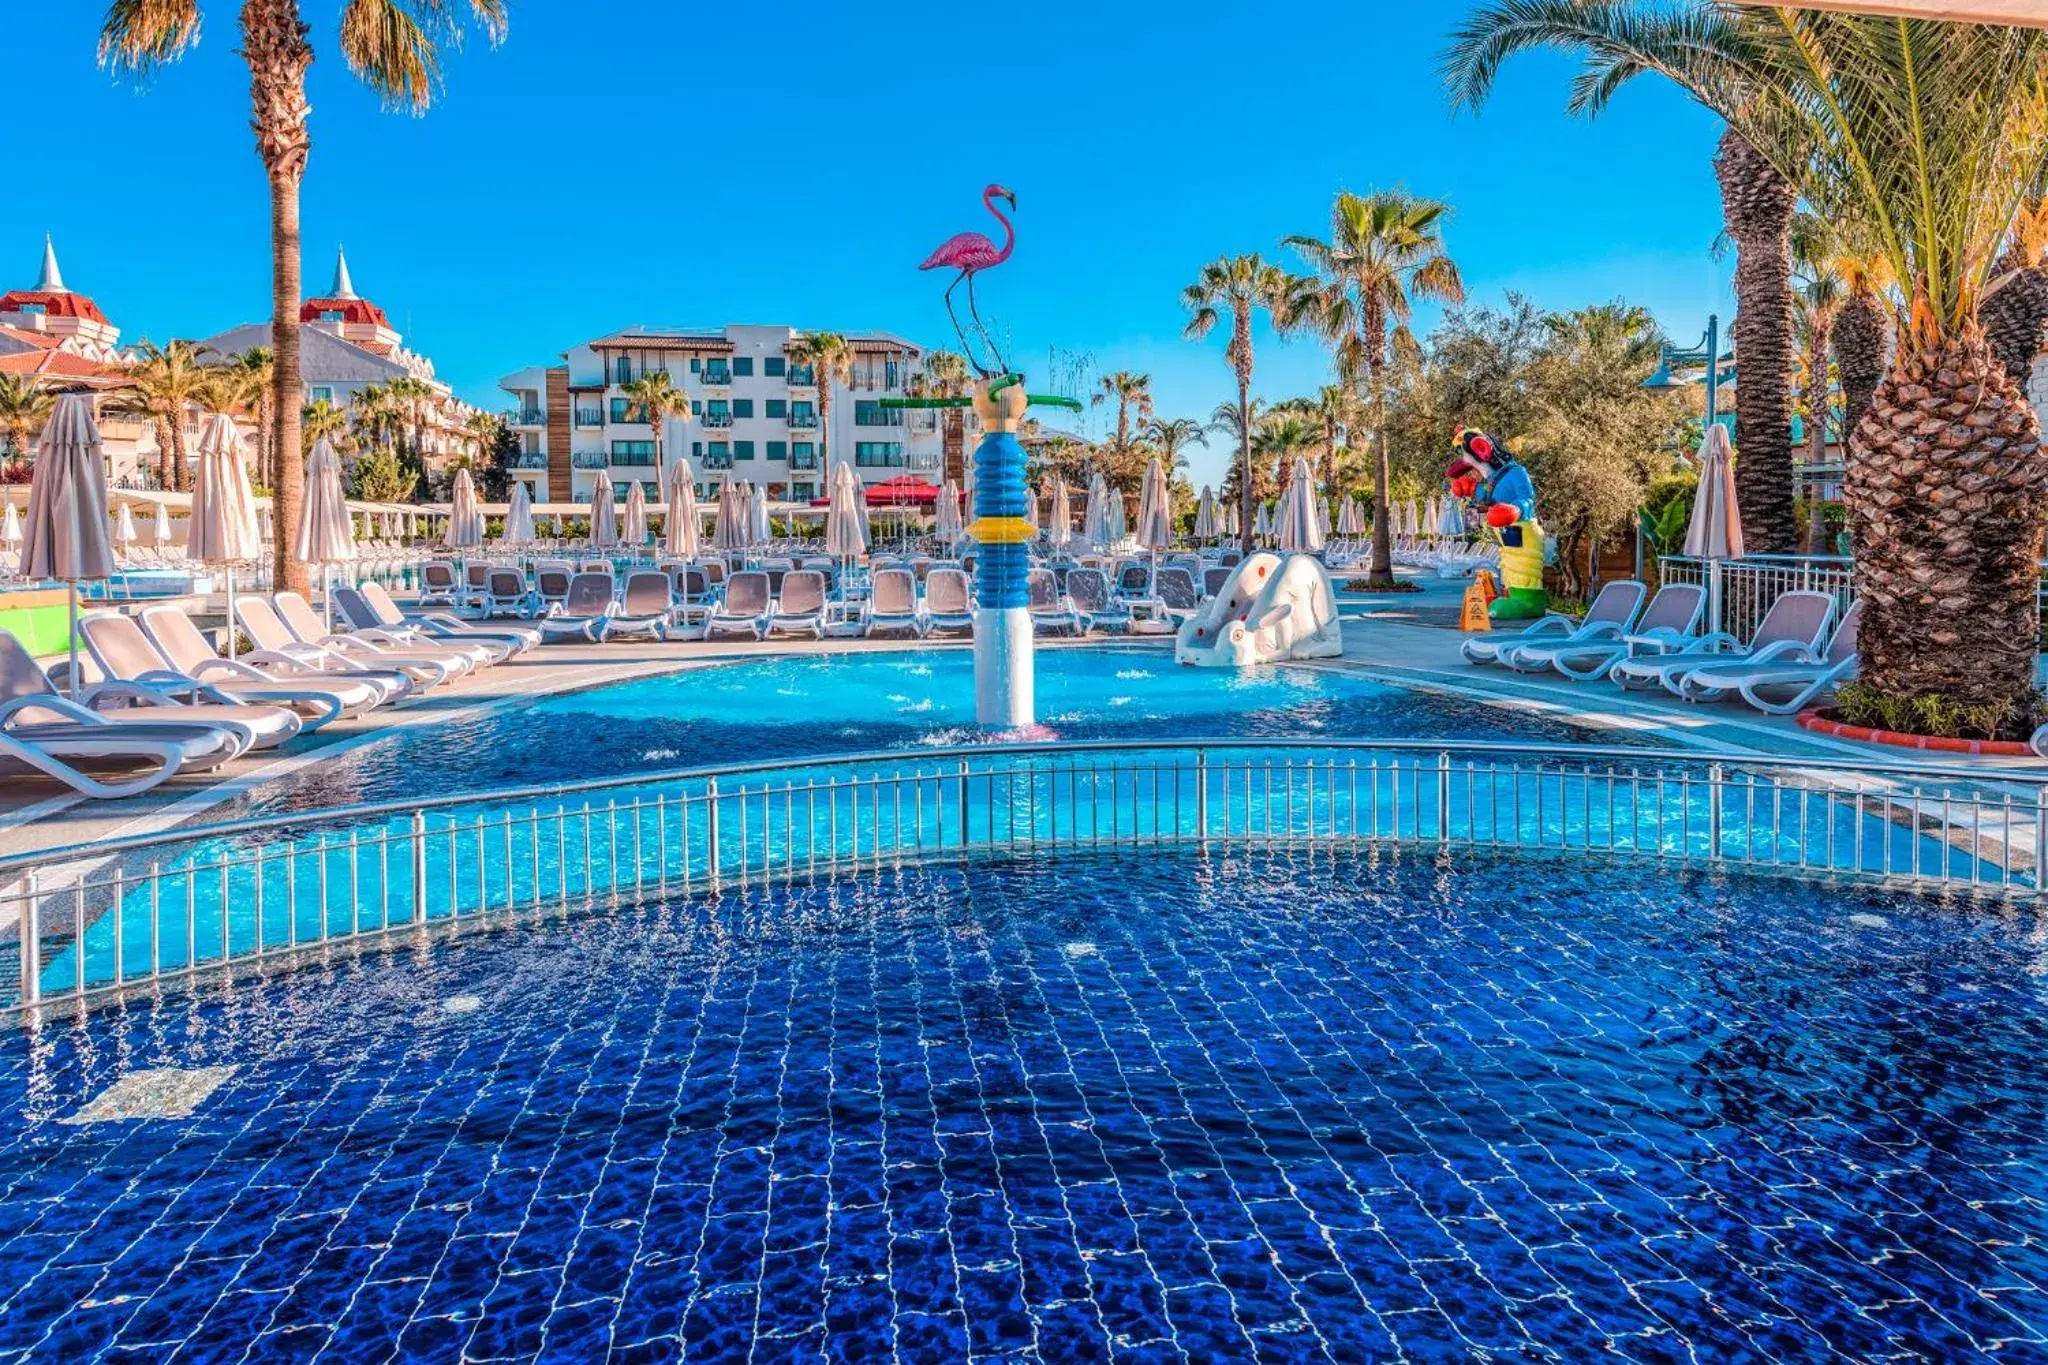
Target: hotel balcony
{"type": "Point", "coordinates": [717, 419]}
{"type": "Point", "coordinates": [716, 376]}
{"type": "Point", "coordinates": [590, 417]}
{"type": "Point", "coordinates": [527, 417]}
{"type": "Point", "coordinates": [530, 459]}
{"type": "Point", "coordinates": [800, 463]}
{"type": "Point", "coordinates": [804, 421]}
{"type": "Point", "coordinates": [802, 378]}
{"type": "Point", "coordinates": [714, 461]}
{"type": "Point", "coordinates": [589, 459]}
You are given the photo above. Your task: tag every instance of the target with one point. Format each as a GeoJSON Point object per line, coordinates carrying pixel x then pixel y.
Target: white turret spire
{"type": "Point", "coordinates": [344, 287]}
{"type": "Point", "coordinates": [52, 281]}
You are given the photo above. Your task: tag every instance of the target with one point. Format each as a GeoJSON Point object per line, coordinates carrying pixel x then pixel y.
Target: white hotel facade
{"type": "Point", "coordinates": [755, 414]}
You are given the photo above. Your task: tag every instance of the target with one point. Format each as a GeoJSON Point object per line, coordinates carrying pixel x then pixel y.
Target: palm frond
{"type": "Point", "coordinates": [138, 36]}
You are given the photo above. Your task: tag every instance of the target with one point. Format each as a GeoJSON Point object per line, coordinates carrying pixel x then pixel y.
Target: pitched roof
{"type": "Point", "coordinates": [58, 364]}
{"type": "Point", "coordinates": [324, 358]}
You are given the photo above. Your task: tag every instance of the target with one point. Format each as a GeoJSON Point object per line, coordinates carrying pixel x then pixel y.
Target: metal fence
{"type": "Point", "coordinates": [1740, 591]}
{"type": "Point", "coordinates": [94, 921]}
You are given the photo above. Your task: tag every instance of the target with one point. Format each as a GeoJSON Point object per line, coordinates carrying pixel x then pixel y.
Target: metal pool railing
{"type": "Point", "coordinates": [93, 921]}
{"type": "Point", "coordinates": [1740, 591]}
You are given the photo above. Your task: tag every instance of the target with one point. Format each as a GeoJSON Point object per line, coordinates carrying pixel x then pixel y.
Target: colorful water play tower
{"type": "Point", "coordinates": [1003, 672]}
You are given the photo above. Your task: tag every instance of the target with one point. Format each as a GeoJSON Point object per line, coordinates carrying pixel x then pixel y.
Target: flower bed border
{"type": "Point", "coordinates": [1817, 720]}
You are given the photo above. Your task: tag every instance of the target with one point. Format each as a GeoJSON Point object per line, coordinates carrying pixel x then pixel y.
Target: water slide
{"type": "Point", "coordinates": [1269, 611]}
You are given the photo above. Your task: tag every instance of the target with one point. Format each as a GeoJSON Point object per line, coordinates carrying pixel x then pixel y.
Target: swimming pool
{"type": "Point", "coordinates": [766, 709]}
{"type": "Point", "coordinates": [1172, 1104]}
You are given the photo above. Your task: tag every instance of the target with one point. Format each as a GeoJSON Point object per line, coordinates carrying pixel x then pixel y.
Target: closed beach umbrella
{"type": "Point", "coordinates": [1031, 507]}
{"type": "Point", "coordinates": [10, 526]}
{"type": "Point", "coordinates": [845, 527]}
{"type": "Point", "coordinates": [634, 532]}
{"type": "Point", "coordinates": [1450, 518]}
{"type": "Point", "coordinates": [1227, 519]}
{"type": "Point", "coordinates": [66, 533]}
{"type": "Point", "coordinates": [1715, 531]}
{"type": "Point", "coordinates": [1059, 524]}
{"type": "Point", "coordinates": [222, 530]}
{"type": "Point", "coordinates": [604, 513]}
{"type": "Point", "coordinates": [160, 527]}
{"type": "Point", "coordinates": [1262, 522]}
{"type": "Point", "coordinates": [519, 516]}
{"type": "Point", "coordinates": [465, 523]}
{"type": "Point", "coordinates": [1095, 516]}
{"type": "Point", "coordinates": [726, 532]}
{"type": "Point", "coordinates": [326, 533]}
{"type": "Point", "coordinates": [946, 514]}
{"type": "Point", "coordinates": [1155, 517]}
{"type": "Point", "coordinates": [124, 530]}
{"type": "Point", "coordinates": [1300, 528]}
{"type": "Point", "coordinates": [1205, 515]}
{"type": "Point", "coordinates": [679, 533]}
{"type": "Point", "coordinates": [759, 529]}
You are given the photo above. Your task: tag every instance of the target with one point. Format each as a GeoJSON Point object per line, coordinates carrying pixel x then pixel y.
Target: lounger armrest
{"type": "Point", "coordinates": [125, 689]}
{"type": "Point", "coordinates": [238, 669]}
{"type": "Point", "coordinates": [1781, 651]}
{"type": "Point", "coordinates": [1548, 625]}
{"type": "Point", "coordinates": [50, 701]}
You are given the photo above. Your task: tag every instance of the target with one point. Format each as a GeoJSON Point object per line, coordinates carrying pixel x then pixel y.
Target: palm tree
{"type": "Point", "coordinates": [945, 376]}
{"type": "Point", "coordinates": [25, 404]}
{"type": "Point", "coordinates": [1931, 135]}
{"type": "Point", "coordinates": [393, 47]}
{"type": "Point", "coordinates": [658, 399]}
{"type": "Point", "coordinates": [1239, 285]}
{"type": "Point", "coordinates": [376, 413]}
{"type": "Point", "coordinates": [830, 359]}
{"type": "Point", "coordinates": [1280, 440]}
{"type": "Point", "coordinates": [415, 400]}
{"type": "Point", "coordinates": [1862, 336]}
{"type": "Point", "coordinates": [1819, 299]}
{"type": "Point", "coordinates": [2015, 310]}
{"type": "Point", "coordinates": [1132, 394]}
{"type": "Point", "coordinates": [1701, 47]}
{"type": "Point", "coordinates": [165, 381]}
{"type": "Point", "coordinates": [1241, 424]}
{"type": "Point", "coordinates": [1171, 435]}
{"type": "Point", "coordinates": [322, 419]}
{"type": "Point", "coordinates": [258, 368]}
{"type": "Point", "coordinates": [1385, 250]}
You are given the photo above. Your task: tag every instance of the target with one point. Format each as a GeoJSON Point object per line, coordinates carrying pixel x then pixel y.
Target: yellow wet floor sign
{"type": "Point", "coordinates": [1482, 591]}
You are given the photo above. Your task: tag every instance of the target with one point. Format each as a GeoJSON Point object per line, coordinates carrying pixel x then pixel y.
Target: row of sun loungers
{"type": "Point", "coordinates": [1792, 660]}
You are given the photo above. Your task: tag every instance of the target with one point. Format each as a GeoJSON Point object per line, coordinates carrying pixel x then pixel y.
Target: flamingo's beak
{"type": "Point", "coordinates": [1013, 200]}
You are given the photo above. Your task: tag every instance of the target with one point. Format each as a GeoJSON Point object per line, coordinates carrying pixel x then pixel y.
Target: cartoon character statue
{"type": "Point", "coordinates": [1487, 476]}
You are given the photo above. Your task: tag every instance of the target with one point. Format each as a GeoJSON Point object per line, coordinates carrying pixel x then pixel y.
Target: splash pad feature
{"type": "Point", "coordinates": [1487, 476]}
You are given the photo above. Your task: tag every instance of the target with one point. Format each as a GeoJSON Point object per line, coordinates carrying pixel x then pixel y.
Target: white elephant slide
{"type": "Point", "coordinates": [1270, 610]}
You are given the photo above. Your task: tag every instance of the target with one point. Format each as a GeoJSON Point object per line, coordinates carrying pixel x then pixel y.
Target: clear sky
{"type": "Point", "coordinates": [663, 163]}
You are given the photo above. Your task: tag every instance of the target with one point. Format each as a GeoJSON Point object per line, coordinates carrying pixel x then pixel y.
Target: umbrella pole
{"type": "Point", "coordinates": [71, 603]}
{"type": "Point", "coordinates": [231, 610]}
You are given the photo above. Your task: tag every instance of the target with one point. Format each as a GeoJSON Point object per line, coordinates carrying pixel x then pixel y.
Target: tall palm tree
{"type": "Point", "coordinates": [1385, 250]}
{"type": "Point", "coordinates": [1862, 336]}
{"type": "Point", "coordinates": [258, 370]}
{"type": "Point", "coordinates": [1818, 298]}
{"type": "Point", "coordinates": [1238, 285]}
{"type": "Point", "coordinates": [945, 376]}
{"type": "Point", "coordinates": [1280, 440]}
{"type": "Point", "coordinates": [656, 396]}
{"type": "Point", "coordinates": [2015, 310]}
{"type": "Point", "coordinates": [830, 358]}
{"type": "Point", "coordinates": [1241, 423]}
{"type": "Point", "coordinates": [1700, 46]}
{"type": "Point", "coordinates": [165, 381]}
{"type": "Point", "coordinates": [376, 412]}
{"type": "Point", "coordinates": [1931, 134]}
{"type": "Point", "coordinates": [1172, 435]}
{"type": "Point", "coordinates": [1132, 394]}
{"type": "Point", "coordinates": [393, 47]}
{"type": "Point", "coordinates": [25, 404]}
{"type": "Point", "coordinates": [322, 419]}
{"type": "Point", "coordinates": [415, 400]}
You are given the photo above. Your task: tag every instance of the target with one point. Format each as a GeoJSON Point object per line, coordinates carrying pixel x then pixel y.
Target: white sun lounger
{"type": "Point", "coordinates": [1790, 631]}
{"type": "Point", "coordinates": [585, 613]}
{"type": "Point", "coordinates": [644, 605]}
{"type": "Point", "coordinates": [305, 623]}
{"type": "Point", "coordinates": [175, 638]}
{"type": "Point", "coordinates": [431, 627]}
{"type": "Point", "coordinates": [1612, 610]}
{"type": "Point", "coordinates": [128, 659]}
{"type": "Point", "coordinates": [745, 608]}
{"type": "Point", "coordinates": [1050, 610]}
{"type": "Point", "coordinates": [267, 629]}
{"type": "Point", "coordinates": [1089, 591]}
{"type": "Point", "coordinates": [1670, 622]}
{"type": "Point", "coordinates": [892, 604]}
{"type": "Point", "coordinates": [800, 606]}
{"type": "Point", "coordinates": [948, 604]}
{"type": "Point", "coordinates": [1787, 688]}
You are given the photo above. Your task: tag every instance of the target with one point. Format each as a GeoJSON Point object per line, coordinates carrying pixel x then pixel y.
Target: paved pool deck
{"type": "Point", "coordinates": [1409, 638]}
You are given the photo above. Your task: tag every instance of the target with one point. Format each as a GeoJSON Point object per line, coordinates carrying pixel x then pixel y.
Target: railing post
{"type": "Point", "coordinates": [2040, 842]}
{"type": "Point", "coordinates": [1713, 595]}
{"type": "Point", "coordinates": [419, 870]}
{"type": "Point", "coordinates": [32, 942]}
{"type": "Point", "coordinates": [963, 803]}
{"type": "Point", "coordinates": [1202, 796]}
{"type": "Point", "coordinates": [1443, 796]}
{"type": "Point", "coordinates": [1714, 777]}
{"type": "Point", "coordinates": [711, 832]}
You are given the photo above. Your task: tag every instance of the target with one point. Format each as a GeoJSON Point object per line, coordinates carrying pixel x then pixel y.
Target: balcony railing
{"type": "Point", "coordinates": [803, 462]}
{"type": "Point", "coordinates": [802, 378]}
{"type": "Point", "coordinates": [526, 417]}
{"type": "Point", "coordinates": [716, 376]}
{"type": "Point", "coordinates": [590, 417]}
{"type": "Point", "coordinates": [804, 421]}
{"type": "Point", "coordinates": [717, 419]}
{"type": "Point", "coordinates": [530, 459]}
{"type": "Point", "coordinates": [589, 459]}
{"type": "Point", "coordinates": [713, 461]}
{"type": "Point", "coordinates": [645, 461]}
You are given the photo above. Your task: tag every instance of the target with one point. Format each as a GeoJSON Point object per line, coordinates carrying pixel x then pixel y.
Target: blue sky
{"type": "Point", "coordinates": [682, 164]}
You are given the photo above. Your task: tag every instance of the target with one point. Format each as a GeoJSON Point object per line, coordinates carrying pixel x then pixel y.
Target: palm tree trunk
{"type": "Point", "coordinates": [1247, 507]}
{"type": "Point", "coordinates": [825, 423]}
{"type": "Point", "coordinates": [1946, 503]}
{"type": "Point", "coordinates": [1757, 203]}
{"type": "Point", "coordinates": [181, 469]}
{"type": "Point", "coordinates": [1817, 429]}
{"type": "Point", "coordinates": [1381, 574]}
{"type": "Point", "coordinates": [163, 454]}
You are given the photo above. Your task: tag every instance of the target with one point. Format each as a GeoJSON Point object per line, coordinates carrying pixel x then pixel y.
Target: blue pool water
{"type": "Point", "coordinates": [1152, 1108]}
{"type": "Point", "coordinates": [766, 709]}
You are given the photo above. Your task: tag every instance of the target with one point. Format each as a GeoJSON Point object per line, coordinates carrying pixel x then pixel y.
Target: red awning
{"type": "Point", "coordinates": [905, 490]}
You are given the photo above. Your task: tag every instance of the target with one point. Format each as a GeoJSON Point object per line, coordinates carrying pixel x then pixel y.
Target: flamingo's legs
{"type": "Point", "coordinates": [966, 346]}
{"type": "Point", "coordinates": [982, 327]}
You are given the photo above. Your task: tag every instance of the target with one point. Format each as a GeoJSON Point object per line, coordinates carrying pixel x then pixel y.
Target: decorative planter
{"type": "Point", "coordinates": [1817, 720]}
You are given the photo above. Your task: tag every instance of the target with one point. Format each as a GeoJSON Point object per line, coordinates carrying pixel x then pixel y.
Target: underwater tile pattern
{"type": "Point", "coordinates": [1177, 1106]}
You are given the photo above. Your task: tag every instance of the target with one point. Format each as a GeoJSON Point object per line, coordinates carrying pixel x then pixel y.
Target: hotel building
{"type": "Point", "coordinates": [755, 414]}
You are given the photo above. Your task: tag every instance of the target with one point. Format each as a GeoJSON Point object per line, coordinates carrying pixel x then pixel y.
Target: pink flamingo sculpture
{"type": "Point", "coordinates": [970, 253]}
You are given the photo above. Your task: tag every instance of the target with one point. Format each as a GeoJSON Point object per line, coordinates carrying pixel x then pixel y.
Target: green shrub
{"type": "Point", "coordinates": [1931, 713]}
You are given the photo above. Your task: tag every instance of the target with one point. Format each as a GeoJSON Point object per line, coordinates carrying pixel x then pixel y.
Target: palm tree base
{"type": "Point", "coordinates": [1381, 583]}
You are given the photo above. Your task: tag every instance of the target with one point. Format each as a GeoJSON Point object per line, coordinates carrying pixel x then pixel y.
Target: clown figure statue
{"type": "Point", "coordinates": [1485, 475]}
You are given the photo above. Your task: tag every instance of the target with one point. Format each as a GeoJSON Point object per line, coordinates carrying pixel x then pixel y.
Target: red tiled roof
{"type": "Point", "coordinates": [351, 310]}
{"type": "Point", "coordinates": [42, 341]}
{"type": "Point", "coordinates": [54, 305]}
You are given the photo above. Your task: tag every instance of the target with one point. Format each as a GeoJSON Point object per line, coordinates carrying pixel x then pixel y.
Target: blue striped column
{"type": "Point", "coordinates": [1003, 681]}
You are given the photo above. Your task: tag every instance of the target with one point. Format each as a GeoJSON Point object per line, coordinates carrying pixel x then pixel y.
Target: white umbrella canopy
{"type": "Point", "coordinates": [10, 526]}
{"type": "Point", "coordinates": [1095, 517]}
{"type": "Point", "coordinates": [1059, 522]}
{"type": "Point", "coordinates": [1450, 518]}
{"type": "Point", "coordinates": [1715, 531]}
{"type": "Point", "coordinates": [680, 529]}
{"type": "Point", "coordinates": [1347, 516]}
{"type": "Point", "coordinates": [160, 527]}
{"type": "Point", "coordinates": [634, 532]}
{"type": "Point", "coordinates": [727, 533]}
{"type": "Point", "coordinates": [1205, 515]}
{"type": "Point", "coordinates": [223, 516]}
{"type": "Point", "coordinates": [1030, 507]}
{"type": "Point", "coordinates": [846, 532]}
{"type": "Point", "coordinates": [326, 534]}
{"type": "Point", "coordinates": [1228, 518]}
{"type": "Point", "coordinates": [1155, 509]}
{"type": "Point", "coordinates": [465, 523]}
{"type": "Point", "coordinates": [66, 534]}
{"type": "Point", "coordinates": [519, 516]}
{"type": "Point", "coordinates": [946, 513]}
{"type": "Point", "coordinates": [1262, 522]}
{"type": "Point", "coordinates": [604, 512]}
{"type": "Point", "coordinates": [759, 529]}
{"type": "Point", "coordinates": [124, 530]}
{"type": "Point", "coordinates": [1300, 528]}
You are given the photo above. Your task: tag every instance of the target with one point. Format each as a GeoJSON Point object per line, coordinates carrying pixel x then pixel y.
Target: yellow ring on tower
{"type": "Point", "coordinates": [1003, 531]}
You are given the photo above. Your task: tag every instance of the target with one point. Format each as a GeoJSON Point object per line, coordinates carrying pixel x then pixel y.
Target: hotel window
{"type": "Point", "coordinates": [869, 413]}
{"type": "Point", "coordinates": [803, 455]}
{"type": "Point", "coordinates": [323, 394]}
{"type": "Point", "coordinates": [772, 366]}
{"type": "Point", "coordinates": [743, 450]}
{"type": "Point", "coordinates": [778, 407]}
{"type": "Point", "coordinates": [633, 452]}
{"type": "Point", "coordinates": [889, 375]}
{"type": "Point", "coordinates": [696, 449]}
{"type": "Point", "coordinates": [696, 364]}
{"type": "Point", "coordinates": [803, 492]}
{"type": "Point", "coordinates": [878, 454]}
{"type": "Point", "coordinates": [743, 365]}
{"type": "Point", "coordinates": [622, 370]}
{"type": "Point", "coordinates": [743, 407]}
{"type": "Point", "coordinates": [778, 450]}
{"type": "Point", "coordinates": [624, 411]}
